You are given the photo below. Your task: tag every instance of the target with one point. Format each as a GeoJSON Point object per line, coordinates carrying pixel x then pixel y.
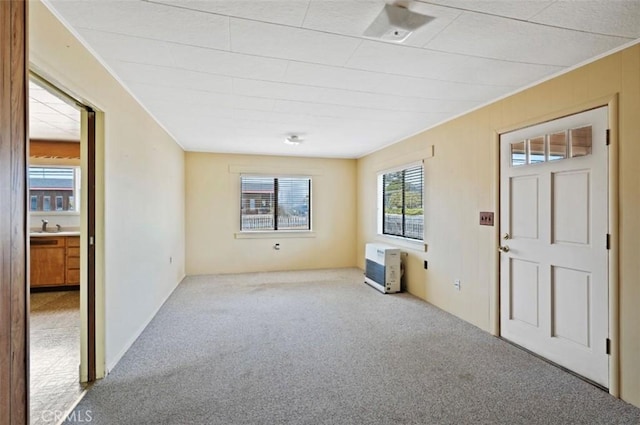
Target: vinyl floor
{"type": "Point", "coordinates": [55, 355]}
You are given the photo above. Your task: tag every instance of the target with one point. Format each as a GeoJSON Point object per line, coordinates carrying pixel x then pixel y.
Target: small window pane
{"type": "Point", "coordinates": [59, 203]}
{"type": "Point", "coordinates": [34, 203]}
{"type": "Point", "coordinates": [46, 204]}
{"type": "Point", "coordinates": [580, 141]}
{"type": "Point", "coordinates": [257, 208]}
{"type": "Point", "coordinates": [518, 153]}
{"type": "Point", "coordinates": [392, 220]}
{"type": "Point", "coordinates": [413, 205]}
{"type": "Point", "coordinates": [536, 150]}
{"type": "Point", "coordinates": [72, 205]}
{"type": "Point", "coordinates": [293, 204]}
{"type": "Point", "coordinates": [557, 146]}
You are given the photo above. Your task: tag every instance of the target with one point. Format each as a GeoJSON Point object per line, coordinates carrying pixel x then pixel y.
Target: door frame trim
{"type": "Point", "coordinates": [90, 370]}
{"type": "Point", "coordinates": [14, 245]}
{"type": "Point", "coordinates": [611, 101]}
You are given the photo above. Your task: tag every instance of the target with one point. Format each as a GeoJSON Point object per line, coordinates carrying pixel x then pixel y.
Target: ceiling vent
{"type": "Point", "coordinates": [395, 23]}
{"type": "Point", "coordinates": [293, 140]}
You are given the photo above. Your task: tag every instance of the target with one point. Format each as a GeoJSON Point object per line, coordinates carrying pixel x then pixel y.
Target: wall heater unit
{"type": "Point", "coordinates": [382, 270]}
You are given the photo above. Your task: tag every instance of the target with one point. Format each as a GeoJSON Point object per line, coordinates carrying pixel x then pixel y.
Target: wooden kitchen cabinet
{"type": "Point", "coordinates": [55, 261]}
{"type": "Point", "coordinates": [73, 260]}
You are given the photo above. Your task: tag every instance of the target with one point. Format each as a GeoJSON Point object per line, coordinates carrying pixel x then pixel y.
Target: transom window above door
{"type": "Point", "coordinates": [570, 143]}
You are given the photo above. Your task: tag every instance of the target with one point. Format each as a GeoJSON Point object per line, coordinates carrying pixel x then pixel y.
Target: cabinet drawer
{"type": "Point", "coordinates": [73, 277]}
{"type": "Point", "coordinates": [73, 263]}
{"type": "Point", "coordinates": [73, 240]}
{"type": "Point", "coordinates": [73, 252]}
{"type": "Point", "coordinates": [47, 241]}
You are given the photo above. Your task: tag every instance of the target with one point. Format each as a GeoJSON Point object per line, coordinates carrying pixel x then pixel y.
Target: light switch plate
{"type": "Point", "coordinates": [486, 218]}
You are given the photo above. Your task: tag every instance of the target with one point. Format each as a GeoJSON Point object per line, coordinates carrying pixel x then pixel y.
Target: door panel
{"type": "Point", "coordinates": [571, 207]}
{"type": "Point", "coordinates": [524, 207]}
{"type": "Point", "coordinates": [525, 279]}
{"type": "Point", "coordinates": [571, 297]}
{"type": "Point", "coordinates": [553, 209]}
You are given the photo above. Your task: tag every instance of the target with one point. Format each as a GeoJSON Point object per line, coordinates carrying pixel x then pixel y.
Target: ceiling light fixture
{"type": "Point", "coordinates": [395, 23]}
{"type": "Point", "coordinates": [293, 140]}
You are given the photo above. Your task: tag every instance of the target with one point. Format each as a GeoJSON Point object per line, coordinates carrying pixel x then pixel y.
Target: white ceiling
{"type": "Point", "coordinates": [239, 76]}
{"type": "Point", "coordinates": [51, 117]}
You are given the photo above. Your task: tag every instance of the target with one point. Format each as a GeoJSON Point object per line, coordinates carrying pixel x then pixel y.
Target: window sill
{"type": "Point", "coordinates": [404, 242]}
{"type": "Point", "coordinates": [53, 212]}
{"type": "Point", "coordinates": [275, 234]}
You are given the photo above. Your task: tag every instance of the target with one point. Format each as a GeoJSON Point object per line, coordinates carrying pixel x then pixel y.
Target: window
{"type": "Point", "coordinates": [402, 203]}
{"type": "Point", "coordinates": [275, 203]}
{"type": "Point", "coordinates": [59, 185]}
{"type": "Point", "coordinates": [571, 143]}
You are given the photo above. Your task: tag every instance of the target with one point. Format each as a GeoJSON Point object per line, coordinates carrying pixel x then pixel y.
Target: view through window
{"type": "Point", "coordinates": [275, 203]}
{"type": "Point", "coordinates": [53, 188]}
{"type": "Point", "coordinates": [402, 203]}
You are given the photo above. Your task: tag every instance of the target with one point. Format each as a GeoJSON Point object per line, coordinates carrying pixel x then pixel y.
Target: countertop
{"type": "Point", "coordinates": [39, 234]}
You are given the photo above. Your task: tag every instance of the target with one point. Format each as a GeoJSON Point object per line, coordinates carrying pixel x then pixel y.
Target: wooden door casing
{"type": "Point", "coordinates": [14, 302]}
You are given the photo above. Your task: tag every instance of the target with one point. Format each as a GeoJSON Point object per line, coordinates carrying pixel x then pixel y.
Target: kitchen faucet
{"type": "Point", "coordinates": [44, 224]}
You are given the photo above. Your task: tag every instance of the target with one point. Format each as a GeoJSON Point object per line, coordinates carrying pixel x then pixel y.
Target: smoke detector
{"type": "Point", "coordinates": [293, 140]}
{"type": "Point", "coordinates": [395, 23]}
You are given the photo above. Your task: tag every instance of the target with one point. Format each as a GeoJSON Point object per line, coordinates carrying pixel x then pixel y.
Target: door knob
{"type": "Point", "coordinates": [503, 248]}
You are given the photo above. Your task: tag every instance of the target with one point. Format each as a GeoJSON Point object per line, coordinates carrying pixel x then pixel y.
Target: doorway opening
{"type": "Point", "coordinates": [61, 211]}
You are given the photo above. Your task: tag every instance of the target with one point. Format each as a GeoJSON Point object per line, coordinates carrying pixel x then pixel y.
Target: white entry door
{"type": "Point", "coordinates": [553, 229]}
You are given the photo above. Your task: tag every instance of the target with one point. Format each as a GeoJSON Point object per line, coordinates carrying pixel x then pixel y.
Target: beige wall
{"type": "Point", "coordinates": [462, 179]}
{"type": "Point", "coordinates": [213, 215]}
{"type": "Point", "coordinates": [143, 186]}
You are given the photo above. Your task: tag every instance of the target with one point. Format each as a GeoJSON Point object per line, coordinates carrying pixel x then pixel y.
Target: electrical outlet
{"type": "Point", "coordinates": [456, 284]}
{"type": "Point", "coordinates": [426, 265]}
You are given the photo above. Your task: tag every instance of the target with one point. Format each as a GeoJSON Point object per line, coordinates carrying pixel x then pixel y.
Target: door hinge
{"type": "Point", "coordinates": [608, 137]}
{"type": "Point", "coordinates": [90, 240]}
{"type": "Point", "coordinates": [608, 241]}
{"type": "Point", "coordinates": [608, 345]}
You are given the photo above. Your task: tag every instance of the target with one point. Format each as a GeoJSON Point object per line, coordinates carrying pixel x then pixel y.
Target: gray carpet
{"type": "Point", "coordinates": [321, 347]}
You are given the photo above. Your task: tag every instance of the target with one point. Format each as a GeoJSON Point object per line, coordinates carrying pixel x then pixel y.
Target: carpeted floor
{"type": "Point", "coordinates": [321, 347]}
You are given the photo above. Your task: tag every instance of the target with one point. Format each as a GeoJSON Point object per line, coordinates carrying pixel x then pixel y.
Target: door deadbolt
{"type": "Point", "coordinates": [506, 237]}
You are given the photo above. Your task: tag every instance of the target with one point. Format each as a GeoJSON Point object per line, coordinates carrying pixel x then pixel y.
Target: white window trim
{"type": "Point", "coordinates": [275, 234]}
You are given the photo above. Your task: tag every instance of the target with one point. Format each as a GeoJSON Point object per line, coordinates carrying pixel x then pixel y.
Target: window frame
{"type": "Point", "coordinates": [257, 232]}
{"type": "Point", "coordinates": [381, 205]}
{"type": "Point", "coordinates": [76, 194]}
